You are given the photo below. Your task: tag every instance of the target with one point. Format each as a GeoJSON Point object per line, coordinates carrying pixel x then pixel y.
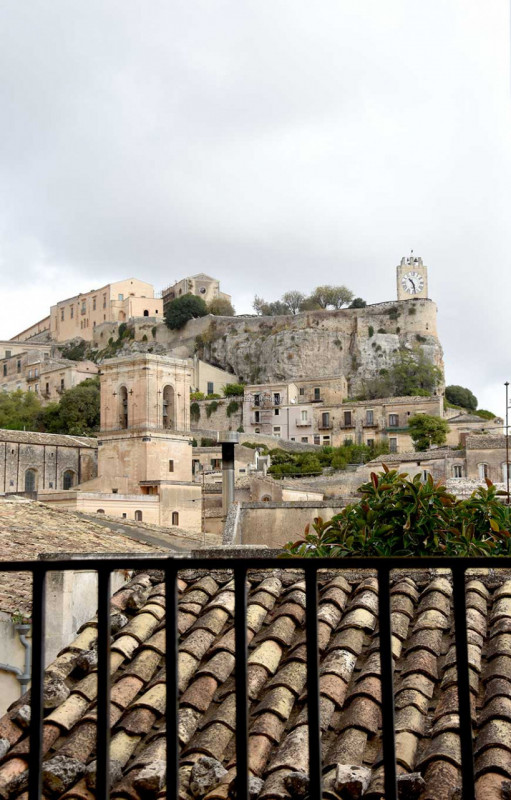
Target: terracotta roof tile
{"type": "Point", "coordinates": [426, 719]}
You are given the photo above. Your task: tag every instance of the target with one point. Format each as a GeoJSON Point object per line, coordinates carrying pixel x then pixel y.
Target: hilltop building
{"type": "Point", "coordinates": [201, 285]}
{"type": "Point", "coordinates": [78, 316]}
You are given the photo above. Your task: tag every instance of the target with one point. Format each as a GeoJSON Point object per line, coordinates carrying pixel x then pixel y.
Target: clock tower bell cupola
{"type": "Point", "coordinates": [412, 279]}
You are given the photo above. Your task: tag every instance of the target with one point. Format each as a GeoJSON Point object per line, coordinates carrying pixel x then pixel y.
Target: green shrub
{"type": "Point", "coordinates": [183, 309]}
{"type": "Point", "coordinates": [233, 389]}
{"type": "Point", "coordinates": [207, 442]}
{"type": "Point", "coordinates": [400, 516]}
{"type": "Point", "coordinates": [213, 396]}
{"type": "Point", "coordinates": [232, 408]}
{"type": "Point", "coordinates": [195, 412]}
{"type": "Point", "coordinates": [211, 408]}
{"type": "Point", "coordinates": [197, 395]}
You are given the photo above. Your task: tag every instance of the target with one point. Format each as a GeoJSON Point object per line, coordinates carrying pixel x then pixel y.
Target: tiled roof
{"type": "Point", "coordinates": [32, 437]}
{"type": "Point", "coordinates": [427, 740]}
{"type": "Point", "coordinates": [423, 455]}
{"type": "Point", "coordinates": [28, 529]}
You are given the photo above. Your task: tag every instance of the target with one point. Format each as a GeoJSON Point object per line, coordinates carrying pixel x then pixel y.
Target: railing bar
{"type": "Point", "coordinates": [103, 706]}
{"type": "Point", "coordinates": [313, 715]}
{"type": "Point", "coordinates": [172, 678]}
{"type": "Point", "coordinates": [387, 684]}
{"type": "Point", "coordinates": [462, 668]}
{"type": "Point", "coordinates": [37, 683]}
{"type": "Point", "coordinates": [240, 630]}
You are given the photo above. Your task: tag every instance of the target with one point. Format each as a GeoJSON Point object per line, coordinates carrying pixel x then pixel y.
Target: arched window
{"type": "Point", "coordinates": [68, 479]}
{"type": "Point", "coordinates": [168, 407]}
{"type": "Point", "coordinates": [483, 471]}
{"type": "Point", "coordinates": [31, 480]}
{"type": "Point", "coordinates": [457, 471]}
{"type": "Point", "coordinates": [100, 511]}
{"type": "Point", "coordinates": [175, 518]}
{"type": "Point", "coordinates": [146, 312]}
{"type": "Point", "coordinates": [266, 498]}
{"type": "Point", "coordinates": [123, 407]}
{"type": "Point", "coordinates": [138, 516]}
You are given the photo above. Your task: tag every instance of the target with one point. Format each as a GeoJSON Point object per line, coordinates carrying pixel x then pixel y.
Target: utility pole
{"type": "Point", "coordinates": [507, 441]}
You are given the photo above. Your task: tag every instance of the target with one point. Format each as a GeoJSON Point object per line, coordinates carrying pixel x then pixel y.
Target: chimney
{"type": "Point", "coordinates": [228, 440]}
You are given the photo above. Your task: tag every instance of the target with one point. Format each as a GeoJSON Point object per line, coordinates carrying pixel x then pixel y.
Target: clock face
{"type": "Point", "coordinates": [412, 282]}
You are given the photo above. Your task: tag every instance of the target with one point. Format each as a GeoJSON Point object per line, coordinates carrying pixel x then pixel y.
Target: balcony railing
{"type": "Point", "coordinates": [170, 565]}
{"type": "Point", "coordinates": [304, 423]}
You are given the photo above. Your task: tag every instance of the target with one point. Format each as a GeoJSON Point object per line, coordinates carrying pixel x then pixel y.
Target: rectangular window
{"type": "Point", "coordinates": [257, 400]}
{"type": "Point", "coordinates": [47, 388]}
{"type": "Point", "coordinates": [93, 303]}
{"type": "Point", "coordinates": [36, 373]}
{"type": "Point", "coordinates": [62, 314]}
{"type": "Point", "coordinates": [18, 365]}
{"type": "Point", "coordinates": [326, 439]}
{"type": "Point", "coordinates": [393, 445]}
{"type": "Point", "coordinates": [5, 370]}
{"type": "Point", "coordinates": [30, 373]}
{"type": "Point", "coordinates": [277, 412]}
{"type": "Point", "coordinates": [62, 384]}
{"type": "Point", "coordinates": [120, 297]}
{"type": "Point", "coordinates": [302, 391]}
{"type": "Point", "coordinates": [317, 393]}
{"type": "Point", "coordinates": [347, 419]}
{"type": "Point", "coordinates": [276, 398]}
{"type": "Point", "coordinates": [325, 420]}
{"type": "Point", "coordinates": [257, 416]}
{"type": "Point", "coordinates": [83, 309]}
{"type": "Point", "coordinates": [305, 439]}
{"type": "Point", "coordinates": [37, 388]}
{"type": "Point", "coordinates": [171, 465]}
{"type": "Point", "coordinates": [393, 420]}
{"type": "Point", "coordinates": [7, 353]}
{"type": "Point", "coordinates": [369, 417]}
{"type": "Point", "coordinates": [276, 430]}
{"type": "Point", "coordinates": [457, 471]}
{"type": "Point", "coordinates": [317, 440]}
{"type": "Point", "coordinates": [72, 311]}
{"type": "Point", "coordinates": [211, 387]}
{"type": "Point", "coordinates": [104, 301]}
{"type": "Point", "coordinates": [370, 442]}
{"type": "Point", "coordinates": [304, 415]}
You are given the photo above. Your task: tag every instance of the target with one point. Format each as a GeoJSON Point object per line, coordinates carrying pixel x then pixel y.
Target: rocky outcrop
{"type": "Point", "coordinates": [356, 343]}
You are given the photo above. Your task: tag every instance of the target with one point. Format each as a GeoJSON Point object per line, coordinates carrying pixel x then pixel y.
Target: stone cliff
{"type": "Point", "coordinates": [356, 343]}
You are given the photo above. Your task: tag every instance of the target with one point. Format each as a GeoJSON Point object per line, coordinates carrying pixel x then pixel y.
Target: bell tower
{"type": "Point", "coordinates": [412, 279]}
{"type": "Point", "coordinates": [144, 440]}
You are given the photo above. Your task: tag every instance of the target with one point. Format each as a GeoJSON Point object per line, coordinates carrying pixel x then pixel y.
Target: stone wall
{"type": "Point", "coordinates": [274, 524]}
{"type": "Point", "coordinates": [218, 419]}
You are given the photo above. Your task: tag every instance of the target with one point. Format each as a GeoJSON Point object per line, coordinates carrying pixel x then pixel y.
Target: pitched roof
{"type": "Point", "coordinates": [28, 529]}
{"type": "Point", "coordinates": [34, 437]}
{"type": "Point", "coordinates": [426, 722]}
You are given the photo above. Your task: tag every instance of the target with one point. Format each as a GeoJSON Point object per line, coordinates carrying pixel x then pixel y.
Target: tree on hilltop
{"type": "Point", "coordinates": [184, 308]}
{"type": "Point", "coordinates": [332, 296]}
{"type": "Point", "coordinates": [460, 396]}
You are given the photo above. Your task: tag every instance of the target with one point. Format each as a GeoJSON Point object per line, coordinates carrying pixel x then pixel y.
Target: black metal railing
{"type": "Point", "coordinates": [170, 566]}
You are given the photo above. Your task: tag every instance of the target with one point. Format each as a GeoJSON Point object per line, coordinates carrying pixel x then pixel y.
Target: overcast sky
{"type": "Point", "coordinates": [274, 144]}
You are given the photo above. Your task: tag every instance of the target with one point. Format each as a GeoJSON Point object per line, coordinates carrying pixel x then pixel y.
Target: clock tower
{"type": "Point", "coordinates": [412, 279]}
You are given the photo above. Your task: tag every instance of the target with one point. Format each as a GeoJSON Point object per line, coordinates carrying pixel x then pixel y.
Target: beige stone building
{"type": "Point", "coordinates": [37, 462]}
{"type": "Point", "coordinates": [201, 285]}
{"type": "Point", "coordinates": [79, 315]}
{"type": "Point", "coordinates": [486, 457]}
{"type": "Point", "coordinates": [292, 410]}
{"type": "Point", "coordinates": [144, 446]}
{"type": "Point", "coordinates": [317, 412]}
{"type": "Point", "coordinates": [37, 370]}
